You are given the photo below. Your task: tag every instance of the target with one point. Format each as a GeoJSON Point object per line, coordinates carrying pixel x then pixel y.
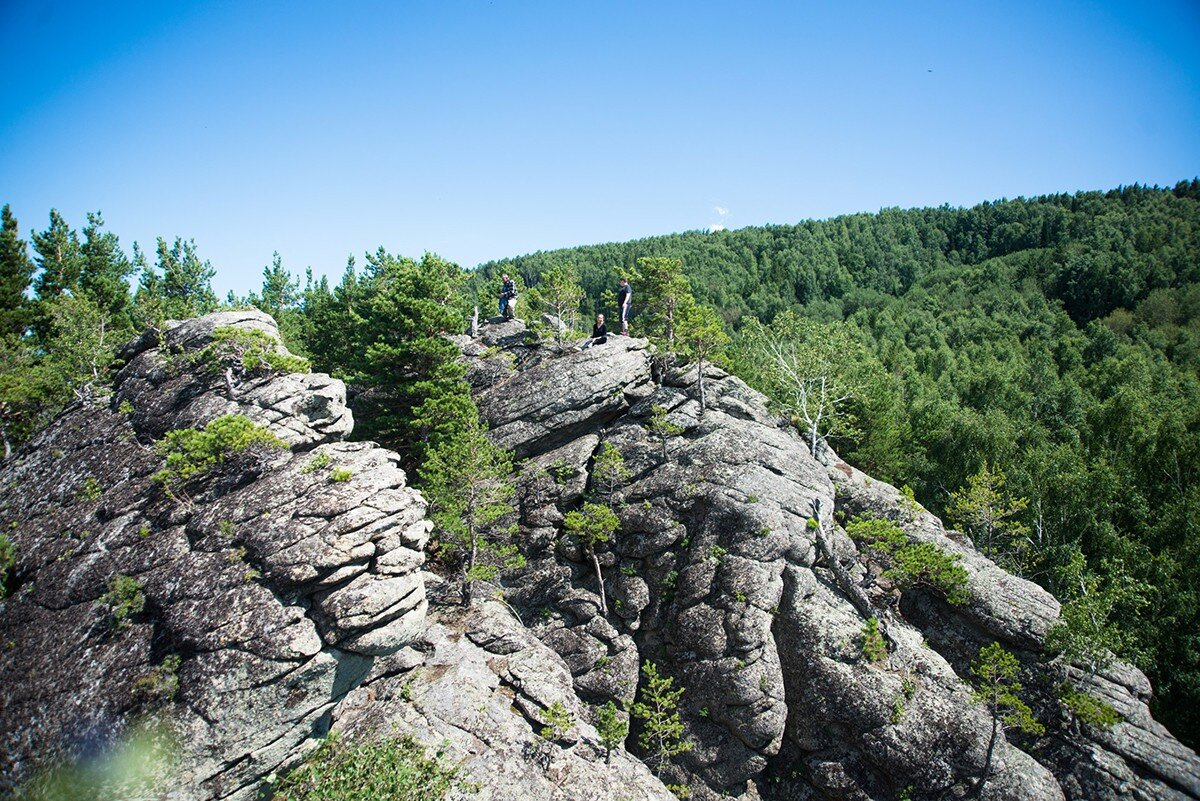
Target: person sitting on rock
{"type": "Point", "coordinates": [599, 334]}
{"type": "Point", "coordinates": [508, 297]}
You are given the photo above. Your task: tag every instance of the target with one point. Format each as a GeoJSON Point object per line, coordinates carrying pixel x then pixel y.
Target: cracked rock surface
{"type": "Point", "coordinates": [715, 576]}
{"type": "Point", "coordinates": [273, 585]}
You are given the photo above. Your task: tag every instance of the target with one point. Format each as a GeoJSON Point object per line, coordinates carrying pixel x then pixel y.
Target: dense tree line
{"type": "Point", "coordinates": [1053, 342]}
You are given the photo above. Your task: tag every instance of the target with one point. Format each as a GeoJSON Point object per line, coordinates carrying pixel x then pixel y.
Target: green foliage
{"type": "Point", "coordinates": [662, 731]}
{"type": "Point", "coordinates": [468, 482]}
{"type": "Point", "coordinates": [559, 294]}
{"type": "Point", "coordinates": [393, 768]}
{"type": "Point", "coordinates": [16, 276]}
{"type": "Point", "coordinates": [593, 524]}
{"type": "Point", "coordinates": [874, 647]}
{"type": "Point", "coordinates": [339, 475]}
{"type": "Point", "coordinates": [925, 564]}
{"type": "Point", "coordinates": [1087, 708]}
{"type": "Point", "coordinates": [985, 511]}
{"type": "Point", "coordinates": [1086, 633]}
{"type": "Point", "coordinates": [319, 461]}
{"type": "Point", "coordinates": [559, 721]}
{"type": "Point", "coordinates": [124, 600]}
{"type": "Point", "coordinates": [663, 291]}
{"type": "Point", "coordinates": [8, 557]}
{"type": "Point", "coordinates": [608, 469]}
{"type": "Point", "coordinates": [177, 288]}
{"type": "Point", "coordinates": [384, 331]}
{"type": "Point", "coordinates": [248, 351]}
{"type": "Point", "coordinates": [877, 533]}
{"type": "Point", "coordinates": [701, 337]}
{"type": "Point", "coordinates": [190, 453]}
{"type": "Point", "coordinates": [995, 672]}
{"type": "Point", "coordinates": [160, 685]}
{"type": "Point", "coordinates": [90, 492]}
{"type": "Point", "coordinates": [817, 372]}
{"type": "Point", "coordinates": [662, 428]}
{"type": "Point", "coordinates": [612, 726]}
{"type": "Point", "coordinates": [911, 564]}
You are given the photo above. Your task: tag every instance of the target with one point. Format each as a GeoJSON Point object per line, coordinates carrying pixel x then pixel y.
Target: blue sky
{"type": "Point", "coordinates": [486, 129]}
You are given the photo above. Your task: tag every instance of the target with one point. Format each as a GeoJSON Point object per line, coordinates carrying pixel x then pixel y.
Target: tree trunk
{"type": "Point", "coordinates": [852, 591]}
{"type": "Point", "coordinates": [987, 760]}
{"type": "Point", "coordinates": [599, 580]}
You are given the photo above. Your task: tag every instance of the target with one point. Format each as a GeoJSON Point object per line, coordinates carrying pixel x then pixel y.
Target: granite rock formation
{"type": "Point", "coordinates": [272, 600]}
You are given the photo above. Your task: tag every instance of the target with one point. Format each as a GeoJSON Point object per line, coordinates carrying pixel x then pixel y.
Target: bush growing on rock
{"type": "Point", "coordinates": [190, 452]}
{"type": "Point", "coordinates": [912, 564]}
{"type": "Point", "coordinates": [396, 768]}
{"type": "Point", "coordinates": [124, 600]}
{"type": "Point", "coordinates": [613, 728]}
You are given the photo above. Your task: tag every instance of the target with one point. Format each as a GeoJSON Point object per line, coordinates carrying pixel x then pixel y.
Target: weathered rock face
{"type": "Point", "coordinates": [271, 584]}
{"type": "Point", "coordinates": [282, 600]}
{"type": "Point", "coordinates": [715, 575]}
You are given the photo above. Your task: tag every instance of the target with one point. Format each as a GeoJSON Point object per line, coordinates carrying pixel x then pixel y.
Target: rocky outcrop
{"type": "Point", "coordinates": [282, 595]}
{"type": "Point", "coordinates": [264, 591]}
{"type": "Point", "coordinates": [716, 576]}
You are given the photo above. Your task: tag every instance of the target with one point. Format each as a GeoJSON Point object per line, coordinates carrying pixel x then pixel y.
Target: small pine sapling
{"type": "Point", "coordinates": [662, 428]}
{"type": "Point", "coordinates": [593, 526]}
{"type": "Point", "coordinates": [995, 673]}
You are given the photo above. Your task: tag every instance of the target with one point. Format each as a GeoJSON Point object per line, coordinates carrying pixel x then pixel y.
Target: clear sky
{"type": "Point", "coordinates": [486, 129]}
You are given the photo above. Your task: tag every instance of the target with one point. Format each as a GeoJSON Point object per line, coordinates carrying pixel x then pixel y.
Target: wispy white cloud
{"type": "Point", "coordinates": [721, 211]}
{"type": "Point", "coordinates": [715, 227]}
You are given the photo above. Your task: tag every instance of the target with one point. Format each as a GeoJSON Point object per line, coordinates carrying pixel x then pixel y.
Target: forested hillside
{"type": "Point", "coordinates": [1030, 368]}
{"type": "Point", "coordinates": [1049, 349]}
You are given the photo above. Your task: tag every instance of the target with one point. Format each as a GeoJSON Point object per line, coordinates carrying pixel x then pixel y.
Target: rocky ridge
{"type": "Point", "coordinates": [286, 603]}
{"type": "Point", "coordinates": [717, 577]}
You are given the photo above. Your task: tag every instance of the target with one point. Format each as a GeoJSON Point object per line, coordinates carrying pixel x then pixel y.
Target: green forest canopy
{"type": "Point", "coordinates": [1053, 341]}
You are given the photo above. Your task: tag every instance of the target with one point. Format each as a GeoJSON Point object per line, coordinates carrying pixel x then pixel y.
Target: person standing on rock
{"type": "Point", "coordinates": [508, 297]}
{"type": "Point", "coordinates": [599, 334]}
{"type": "Point", "coordinates": [624, 298]}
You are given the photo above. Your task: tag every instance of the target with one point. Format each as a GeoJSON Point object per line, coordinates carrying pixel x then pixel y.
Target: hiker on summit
{"type": "Point", "coordinates": [624, 298]}
{"type": "Point", "coordinates": [599, 334]}
{"type": "Point", "coordinates": [508, 297]}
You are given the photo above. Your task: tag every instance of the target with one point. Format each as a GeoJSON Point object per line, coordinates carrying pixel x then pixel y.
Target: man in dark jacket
{"type": "Point", "coordinates": [508, 296]}
{"type": "Point", "coordinates": [624, 299]}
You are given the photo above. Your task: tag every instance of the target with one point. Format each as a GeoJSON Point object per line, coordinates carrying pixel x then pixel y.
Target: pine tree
{"type": "Point", "coordinates": [16, 274]}
{"type": "Point", "coordinates": [702, 336]}
{"type": "Point", "coordinates": [468, 482]}
{"type": "Point", "coordinates": [995, 672]}
{"type": "Point", "coordinates": [986, 511]}
{"type": "Point", "coordinates": [608, 470]}
{"type": "Point", "coordinates": [663, 291]}
{"type": "Point", "coordinates": [280, 289]}
{"type": "Point", "coordinates": [186, 282]}
{"type": "Point", "coordinates": [396, 329]}
{"type": "Point", "coordinates": [592, 526]}
{"type": "Point", "coordinates": [560, 293]}
{"type": "Point", "coordinates": [106, 270]}
{"type": "Point", "coordinates": [658, 709]}
{"type": "Point", "coordinates": [60, 258]}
